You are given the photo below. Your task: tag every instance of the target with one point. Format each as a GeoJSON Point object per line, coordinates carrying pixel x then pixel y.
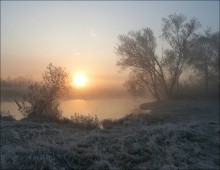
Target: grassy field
{"type": "Point", "coordinates": [165, 135]}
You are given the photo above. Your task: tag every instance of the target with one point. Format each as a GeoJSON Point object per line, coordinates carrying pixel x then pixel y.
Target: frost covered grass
{"type": "Point", "coordinates": [174, 135]}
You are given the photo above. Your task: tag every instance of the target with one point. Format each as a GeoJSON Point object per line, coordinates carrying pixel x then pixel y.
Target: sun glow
{"type": "Point", "coordinates": [79, 80]}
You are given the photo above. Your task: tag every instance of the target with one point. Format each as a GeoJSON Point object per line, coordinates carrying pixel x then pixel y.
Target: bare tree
{"type": "Point", "coordinates": [137, 52]}
{"type": "Point", "coordinates": [206, 58]}
{"type": "Point", "coordinates": [181, 36]}
{"type": "Point", "coordinates": [43, 99]}
{"type": "Point", "coordinates": [159, 75]}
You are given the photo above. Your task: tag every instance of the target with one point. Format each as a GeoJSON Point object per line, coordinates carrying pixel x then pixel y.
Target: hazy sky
{"type": "Point", "coordinates": [81, 36]}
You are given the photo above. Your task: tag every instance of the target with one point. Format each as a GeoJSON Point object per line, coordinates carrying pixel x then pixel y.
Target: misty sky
{"type": "Point", "coordinates": [81, 36]}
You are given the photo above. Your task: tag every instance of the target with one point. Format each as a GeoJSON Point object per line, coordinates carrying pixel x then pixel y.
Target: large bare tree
{"type": "Point", "coordinates": [159, 75]}
{"type": "Point", "coordinates": [181, 37]}
{"type": "Point", "coordinates": [137, 52]}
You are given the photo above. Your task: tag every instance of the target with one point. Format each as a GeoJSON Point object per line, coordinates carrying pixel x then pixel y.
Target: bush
{"type": "Point", "coordinates": [85, 121]}
{"type": "Point", "coordinates": [42, 100]}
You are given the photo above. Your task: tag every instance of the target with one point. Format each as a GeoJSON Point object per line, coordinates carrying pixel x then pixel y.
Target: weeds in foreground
{"type": "Point", "coordinates": [82, 121]}
{"type": "Point", "coordinates": [168, 146]}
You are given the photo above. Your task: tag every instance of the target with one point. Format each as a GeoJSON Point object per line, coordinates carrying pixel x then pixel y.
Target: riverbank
{"type": "Point", "coordinates": [166, 135]}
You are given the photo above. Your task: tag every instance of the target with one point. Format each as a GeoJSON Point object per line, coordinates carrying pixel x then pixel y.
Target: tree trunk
{"type": "Point", "coordinates": [157, 96]}
{"type": "Point", "coordinates": [177, 88]}
{"type": "Point", "coordinates": [206, 77]}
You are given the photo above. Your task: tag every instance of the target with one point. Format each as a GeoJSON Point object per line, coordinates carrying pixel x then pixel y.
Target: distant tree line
{"type": "Point", "coordinates": [12, 88]}
{"type": "Point", "coordinates": [14, 82]}
{"type": "Point", "coordinates": [160, 75]}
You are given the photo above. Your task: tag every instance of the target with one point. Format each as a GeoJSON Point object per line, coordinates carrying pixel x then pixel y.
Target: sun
{"type": "Point", "coordinates": [79, 80]}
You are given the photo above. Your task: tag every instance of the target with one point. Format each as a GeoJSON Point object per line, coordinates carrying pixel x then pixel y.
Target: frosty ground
{"type": "Point", "coordinates": [166, 135]}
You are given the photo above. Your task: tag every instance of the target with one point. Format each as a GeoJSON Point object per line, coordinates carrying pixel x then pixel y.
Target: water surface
{"type": "Point", "coordinates": [103, 108]}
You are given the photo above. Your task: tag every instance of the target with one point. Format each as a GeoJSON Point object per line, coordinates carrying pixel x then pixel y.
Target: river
{"type": "Point", "coordinates": [103, 108]}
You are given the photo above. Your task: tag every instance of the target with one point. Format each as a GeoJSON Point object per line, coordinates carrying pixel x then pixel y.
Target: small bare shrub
{"type": "Point", "coordinates": [85, 121]}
